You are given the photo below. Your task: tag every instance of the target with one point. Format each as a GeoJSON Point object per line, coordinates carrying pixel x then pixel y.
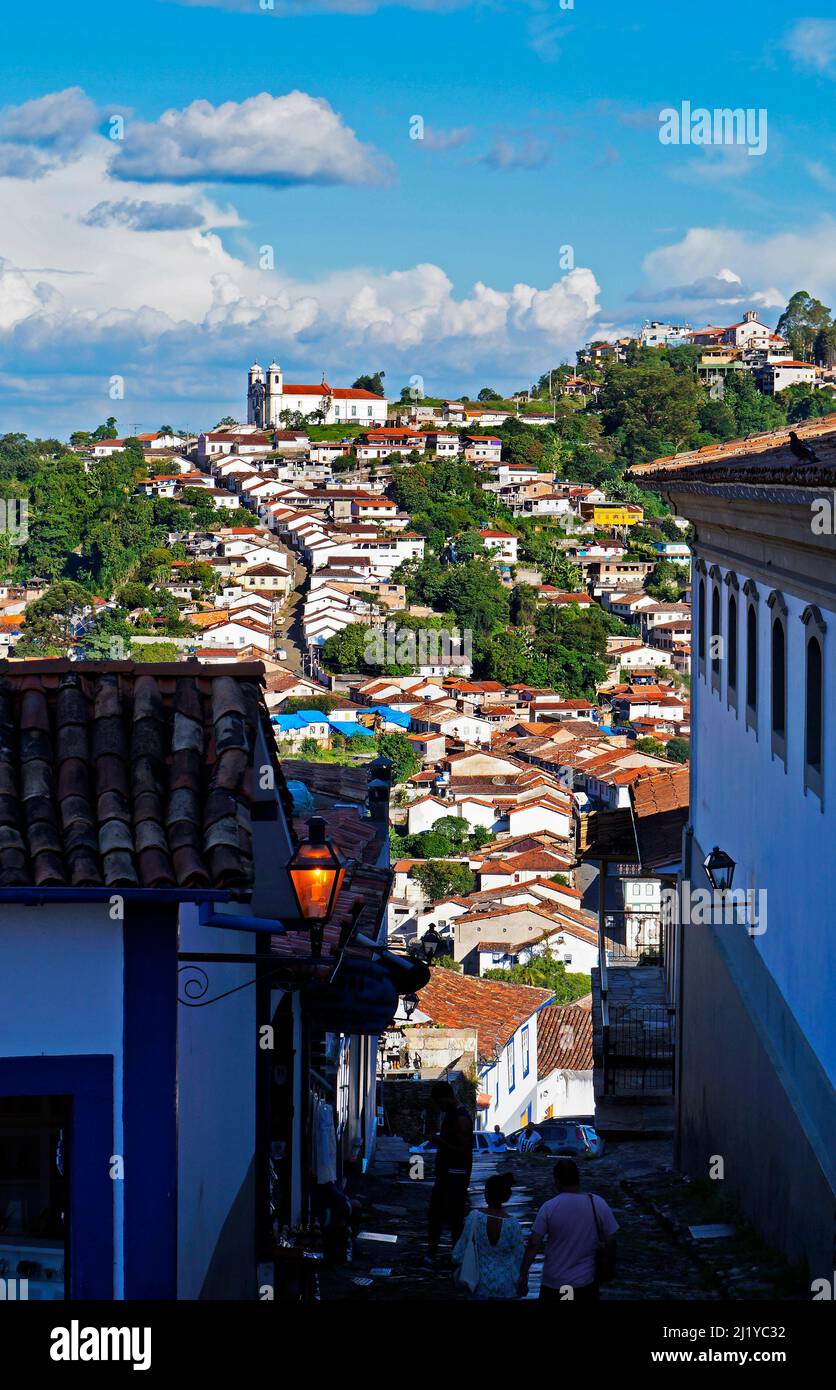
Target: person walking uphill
{"type": "Point", "coordinates": [497, 1240]}
{"type": "Point", "coordinates": [453, 1165]}
{"type": "Point", "coordinates": [579, 1230]}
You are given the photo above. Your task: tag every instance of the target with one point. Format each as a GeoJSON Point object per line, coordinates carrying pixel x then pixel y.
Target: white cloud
{"type": "Point", "coordinates": [291, 139]}
{"type": "Point", "coordinates": [46, 133]}
{"type": "Point", "coordinates": [88, 291]}
{"type": "Point", "coordinates": [741, 267]}
{"type": "Point", "coordinates": [812, 44]}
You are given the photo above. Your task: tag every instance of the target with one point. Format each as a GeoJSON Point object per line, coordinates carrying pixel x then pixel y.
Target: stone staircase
{"type": "Point", "coordinates": [639, 1102]}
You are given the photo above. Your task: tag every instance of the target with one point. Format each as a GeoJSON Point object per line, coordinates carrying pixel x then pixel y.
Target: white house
{"type": "Point", "coordinates": [501, 546]}
{"type": "Point", "coordinates": [505, 1018]}
{"type": "Point", "coordinates": [752, 983]}
{"type": "Point", "coordinates": [564, 1063]}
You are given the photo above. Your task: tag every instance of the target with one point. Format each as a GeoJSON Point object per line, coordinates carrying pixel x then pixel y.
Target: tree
{"type": "Point", "coordinates": [439, 878]}
{"type": "Point", "coordinates": [153, 651]}
{"type": "Point", "coordinates": [651, 746]}
{"type": "Point", "coordinates": [649, 410]}
{"type": "Point", "coordinates": [50, 619]}
{"type": "Point", "coordinates": [753, 412]}
{"type": "Point", "coordinates": [487, 393]}
{"type": "Point", "coordinates": [547, 973]}
{"type": "Point", "coordinates": [373, 383]}
{"type": "Point", "coordinates": [678, 750]}
{"type": "Point", "coordinates": [802, 321]}
{"type": "Point", "coordinates": [400, 752]}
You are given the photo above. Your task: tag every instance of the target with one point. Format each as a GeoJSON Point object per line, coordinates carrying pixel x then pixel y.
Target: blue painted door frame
{"type": "Point", "coordinates": [88, 1081]}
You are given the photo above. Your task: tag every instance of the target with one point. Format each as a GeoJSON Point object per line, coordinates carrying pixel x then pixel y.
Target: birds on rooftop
{"type": "Point", "coordinates": [802, 450]}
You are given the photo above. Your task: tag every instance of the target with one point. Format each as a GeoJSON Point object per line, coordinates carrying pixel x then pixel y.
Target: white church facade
{"type": "Point", "coordinates": [269, 396]}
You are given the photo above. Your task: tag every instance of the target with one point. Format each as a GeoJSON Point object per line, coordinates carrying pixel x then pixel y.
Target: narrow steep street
{"type": "Point", "coordinates": [634, 1177]}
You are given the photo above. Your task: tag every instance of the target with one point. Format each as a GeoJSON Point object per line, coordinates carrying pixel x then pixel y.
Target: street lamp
{"type": "Point", "coordinates": [428, 947]}
{"type": "Point", "coordinates": [316, 872]}
{"type": "Point", "coordinates": [719, 868]}
{"type": "Point", "coordinates": [410, 1003]}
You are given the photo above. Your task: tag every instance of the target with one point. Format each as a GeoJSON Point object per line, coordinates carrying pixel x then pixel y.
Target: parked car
{"type": "Point", "coordinates": [483, 1142]}
{"type": "Point", "coordinates": [568, 1137]}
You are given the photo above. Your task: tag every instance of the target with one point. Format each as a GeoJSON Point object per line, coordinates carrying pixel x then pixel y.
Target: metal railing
{"type": "Point", "coordinates": [633, 936]}
{"type": "Point", "coordinates": [639, 1049]}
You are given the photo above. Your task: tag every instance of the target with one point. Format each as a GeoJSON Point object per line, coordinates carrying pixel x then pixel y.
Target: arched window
{"type": "Point", "coordinates": [752, 664]}
{"type": "Point", "coordinates": [715, 636]}
{"type": "Point", "coordinates": [814, 703]}
{"type": "Point", "coordinates": [778, 674]}
{"type": "Point", "coordinates": [731, 639]}
{"type": "Point", "coordinates": [779, 678]}
{"type": "Point", "coordinates": [814, 708]}
{"type": "Point", "coordinates": [701, 625]}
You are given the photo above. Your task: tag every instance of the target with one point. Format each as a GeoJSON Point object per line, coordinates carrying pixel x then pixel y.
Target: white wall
{"type": "Point", "coordinates": [565, 1093]}
{"type": "Point", "coordinates": [61, 973]}
{"type": "Point", "coordinates": [508, 1107]}
{"type": "Point", "coordinates": [216, 1110]}
{"type": "Point", "coordinates": [781, 839]}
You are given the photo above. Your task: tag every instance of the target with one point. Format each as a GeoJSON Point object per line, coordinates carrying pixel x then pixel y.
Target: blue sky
{"type": "Point", "coordinates": [289, 129]}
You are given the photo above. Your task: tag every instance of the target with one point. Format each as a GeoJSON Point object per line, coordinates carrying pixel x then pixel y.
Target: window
{"type": "Point", "coordinates": [567, 960]}
{"type": "Point", "coordinates": [525, 1059]}
{"type": "Point", "coordinates": [731, 641]}
{"type": "Point", "coordinates": [814, 702]}
{"type": "Point", "coordinates": [752, 664]}
{"type": "Point", "coordinates": [778, 675]}
{"type": "Point", "coordinates": [701, 626]}
{"type": "Point", "coordinates": [813, 720]}
{"type": "Point", "coordinates": [716, 644]}
{"type": "Point", "coordinates": [779, 678]}
{"type": "Point", "coordinates": [510, 1063]}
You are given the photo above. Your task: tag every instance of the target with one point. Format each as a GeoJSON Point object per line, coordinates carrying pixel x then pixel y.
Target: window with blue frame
{"type": "Point", "coordinates": [511, 1063]}
{"type": "Point", "coordinates": [525, 1050]}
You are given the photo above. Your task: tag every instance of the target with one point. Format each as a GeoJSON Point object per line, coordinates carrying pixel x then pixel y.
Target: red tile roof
{"type": "Point", "coordinates": [127, 774]}
{"type": "Point", "coordinates": [564, 1039]}
{"type": "Point", "coordinates": [494, 1008]}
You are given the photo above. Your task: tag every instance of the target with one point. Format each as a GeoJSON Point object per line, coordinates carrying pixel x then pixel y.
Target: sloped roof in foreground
{"type": "Point", "coordinates": [127, 775]}
{"type": "Point", "coordinates": [760, 459]}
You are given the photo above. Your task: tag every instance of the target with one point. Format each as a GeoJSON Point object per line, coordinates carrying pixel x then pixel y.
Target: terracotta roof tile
{"type": "Point", "coordinates": [564, 1039]}
{"type": "Point", "coordinates": [123, 775]}
{"type": "Point", "coordinates": [494, 1008]}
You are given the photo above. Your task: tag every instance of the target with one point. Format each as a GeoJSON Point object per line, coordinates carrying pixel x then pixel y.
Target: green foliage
{"type": "Point", "coordinates": [444, 497]}
{"type": "Point", "coordinates": [546, 973]}
{"type": "Point", "coordinates": [373, 383]}
{"type": "Point", "coordinates": [753, 412]}
{"type": "Point", "coordinates": [48, 629]}
{"type": "Point", "coordinates": [438, 879]}
{"type": "Point", "coordinates": [153, 651]}
{"type": "Point", "coordinates": [448, 963]}
{"type": "Point", "coordinates": [651, 746]}
{"type": "Point", "coordinates": [649, 410]}
{"type": "Point", "coordinates": [678, 750]}
{"type": "Point", "coordinates": [400, 752]}
{"type": "Point", "coordinates": [803, 320]}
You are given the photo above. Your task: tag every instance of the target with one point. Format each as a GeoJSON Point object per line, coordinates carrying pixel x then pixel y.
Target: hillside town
{"type": "Point", "coordinates": [452, 642]}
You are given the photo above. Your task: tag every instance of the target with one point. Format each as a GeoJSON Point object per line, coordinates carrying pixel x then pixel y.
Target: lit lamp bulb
{"type": "Point", "coordinates": [316, 873]}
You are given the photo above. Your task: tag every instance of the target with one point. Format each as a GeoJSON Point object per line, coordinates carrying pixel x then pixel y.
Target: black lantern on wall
{"type": "Point", "coordinates": [316, 872]}
{"type": "Point", "coordinates": [719, 868]}
{"type": "Point", "coordinates": [410, 1004]}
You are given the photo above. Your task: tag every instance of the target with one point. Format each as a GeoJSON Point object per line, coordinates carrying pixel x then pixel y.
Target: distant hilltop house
{"type": "Point", "coordinates": [269, 396]}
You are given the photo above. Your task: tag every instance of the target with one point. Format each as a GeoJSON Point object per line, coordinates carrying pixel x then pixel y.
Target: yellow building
{"type": "Point", "coordinates": [615, 514]}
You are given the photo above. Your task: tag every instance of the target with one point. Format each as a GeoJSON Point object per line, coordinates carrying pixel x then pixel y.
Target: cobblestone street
{"type": "Point", "coordinates": [654, 1260]}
